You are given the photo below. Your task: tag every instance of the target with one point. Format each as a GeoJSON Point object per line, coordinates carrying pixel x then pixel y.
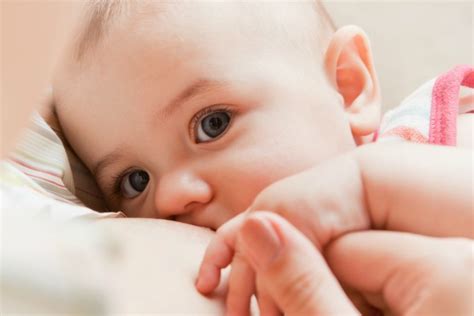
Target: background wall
{"type": "Point", "coordinates": [412, 41]}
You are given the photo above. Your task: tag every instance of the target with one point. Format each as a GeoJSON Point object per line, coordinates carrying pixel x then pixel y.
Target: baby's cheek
{"type": "Point", "coordinates": [249, 167]}
{"type": "Point", "coordinates": [252, 177]}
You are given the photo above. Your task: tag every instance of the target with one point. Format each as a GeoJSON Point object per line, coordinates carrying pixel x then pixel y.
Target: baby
{"type": "Point", "coordinates": [188, 110]}
{"type": "Point", "coordinates": [197, 112]}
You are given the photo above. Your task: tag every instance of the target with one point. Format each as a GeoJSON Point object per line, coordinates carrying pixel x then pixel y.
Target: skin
{"type": "Point", "coordinates": [393, 273]}
{"type": "Point", "coordinates": [288, 114]}
{"type": "Point", "coordinates": [141, 281]}
{"type": "Point", "coordinates": [420, 193]}
{"type": "Point", "coordinates": [136, 280]}
{"type": "Point", "coordinates": [342, 263]}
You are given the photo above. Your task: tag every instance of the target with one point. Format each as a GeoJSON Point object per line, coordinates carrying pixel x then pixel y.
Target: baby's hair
{"type": "Point", "coordinates": [326, 20]}
{"type": "Point", "coordinates": [100, 15]}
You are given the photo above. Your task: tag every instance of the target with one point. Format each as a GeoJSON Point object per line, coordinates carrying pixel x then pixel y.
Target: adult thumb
{"type": "Point", "coordinates": [290, 269]}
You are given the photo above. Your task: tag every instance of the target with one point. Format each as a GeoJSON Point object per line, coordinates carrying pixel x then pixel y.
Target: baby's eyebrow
{"type": "Point", "coordinates": [195, 89]}
{"type": "Point", "coordinates": [106, 161]}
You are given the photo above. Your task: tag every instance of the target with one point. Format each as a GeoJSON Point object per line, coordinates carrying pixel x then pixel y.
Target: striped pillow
{"type": "Point", "coordinates": [41, 156]}
{"type": "Point", "coordinates": [51, 165]}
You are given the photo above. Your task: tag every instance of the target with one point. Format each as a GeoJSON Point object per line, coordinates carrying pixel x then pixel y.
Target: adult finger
{"type": "Point", "coordinates": [266, 305]}
{"type": "Point", "coordinates": [361, 302]}
{"type": "Point", "coordinates": [290, 267]}
{"type": "Point", "coordinates": [409, 272]}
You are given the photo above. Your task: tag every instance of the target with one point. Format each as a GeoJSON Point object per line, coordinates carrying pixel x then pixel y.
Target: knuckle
{"type": "Point", "coordinates": [238, 259]}
{"type": "Point", "coordinates": [274, 204]}
{"type": "Point", "coordinates": [300, 290]}
{"type": "Point", "coordinates": [220, 231]}
{"type": "Point", "coordinates": [464, 250]}
{"type": "Point", "coordinates": [261, 202]}
{"type": "Point", "coordinates": [229, 227]}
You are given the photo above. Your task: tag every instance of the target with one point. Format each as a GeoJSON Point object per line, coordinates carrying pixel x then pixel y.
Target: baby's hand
{"type": "Point", "coordinates": [413, 188]}
{"type": "Point", "coordinates": [323, 202]}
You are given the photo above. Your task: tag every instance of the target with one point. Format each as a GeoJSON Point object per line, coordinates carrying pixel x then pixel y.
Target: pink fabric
{"type": "Point", "coordinates": [444, 104]}
{"type": "Point", "coordinates": [407, 133]}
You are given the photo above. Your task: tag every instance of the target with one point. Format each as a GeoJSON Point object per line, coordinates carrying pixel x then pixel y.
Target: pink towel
{"type": "Point", "coordinates": [429, 115]}
{"type": "Point", "coordinates": [445, 102]}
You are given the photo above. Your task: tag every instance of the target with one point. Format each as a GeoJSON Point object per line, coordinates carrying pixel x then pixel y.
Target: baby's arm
{"type": "Point", "coordinates": [418, 188]}
{"type": "Point", "coordinates": [407, 187]}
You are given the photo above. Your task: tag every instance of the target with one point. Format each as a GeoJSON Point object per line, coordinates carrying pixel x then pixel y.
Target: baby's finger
{"type": "Point", "coordinates": [266, 304]}
{"type": "Point", "coordinates": [241, 287]}
{"type": "Point", "coordinates": [218, 255]}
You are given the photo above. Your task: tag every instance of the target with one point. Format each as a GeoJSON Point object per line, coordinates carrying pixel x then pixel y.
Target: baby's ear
{"type": "Point", "coordinates": [350, 69]}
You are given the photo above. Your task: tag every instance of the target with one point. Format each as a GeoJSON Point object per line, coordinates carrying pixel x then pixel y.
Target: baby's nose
{"type": "Point", "coordinates": [177, 190]}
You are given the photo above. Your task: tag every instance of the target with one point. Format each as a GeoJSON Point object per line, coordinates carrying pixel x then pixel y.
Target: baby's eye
{"type": "Point", "coordinates": [212, 126]}
{"type": "Point", "coordinates": [134, 183]}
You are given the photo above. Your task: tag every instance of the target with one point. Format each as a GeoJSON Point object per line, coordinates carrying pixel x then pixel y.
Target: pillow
{"type": "Point", "coordinates": [44, 162]}
{"type": "Point", "coordinates": [79, 180]}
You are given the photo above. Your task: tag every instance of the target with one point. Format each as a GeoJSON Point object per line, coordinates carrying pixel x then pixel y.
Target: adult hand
{"type": "Point", "coordinates": [396, 273]}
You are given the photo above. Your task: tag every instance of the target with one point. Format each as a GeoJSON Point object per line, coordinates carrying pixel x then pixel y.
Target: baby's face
{"type": "Point", "coordinates": [190, 114]}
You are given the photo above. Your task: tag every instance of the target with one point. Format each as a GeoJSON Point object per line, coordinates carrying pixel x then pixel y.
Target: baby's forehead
{"type": "Point", "coordinates": [205, 23]}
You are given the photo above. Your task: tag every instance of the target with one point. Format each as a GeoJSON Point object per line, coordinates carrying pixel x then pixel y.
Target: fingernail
{"type": "Point", "coordinates": [260, 242]}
